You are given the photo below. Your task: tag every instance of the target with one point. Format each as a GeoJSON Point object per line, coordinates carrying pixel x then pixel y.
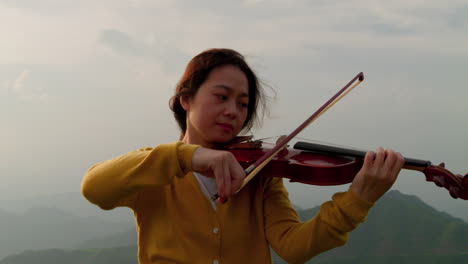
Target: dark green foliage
{"type": "Point", "coordinates": [124, 255]}
{"type": "Point", "coordinates": [399, 229]}
{"type": "Point", "coordinates": [116, 240]}
{"type": "Point", "coordinates": [44, 228]}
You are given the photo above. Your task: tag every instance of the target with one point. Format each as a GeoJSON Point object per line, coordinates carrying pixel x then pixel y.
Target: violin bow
{"type": "Point", "coordinates": [255, 168]}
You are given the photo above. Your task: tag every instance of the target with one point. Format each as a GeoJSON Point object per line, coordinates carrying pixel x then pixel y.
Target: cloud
{"type": "Point", "coordinates": [150, 49]}
{"type": "Point", "coordinates": [458, 18]}
{"type": "Point", "coordinates": [18, 84]}
{"type": "Point", "coordinates": [4, 85]}
{"type": "Point", "coordinates": [122, 43]}
{"type": "Point", "coordinates": [43, 7]}
{"type": "Point", "coordinates": [26, 93]}
{"type": "Point", "coordinates": [113, 66]}
{"type": "Point", "coordinates": [146, 29]}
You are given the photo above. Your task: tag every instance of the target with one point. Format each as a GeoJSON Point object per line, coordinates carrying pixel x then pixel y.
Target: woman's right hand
{"type": "Point", "coordinates": [220, 165]}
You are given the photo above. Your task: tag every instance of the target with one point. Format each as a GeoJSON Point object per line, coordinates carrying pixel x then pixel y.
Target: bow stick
{"type": "Point", "coordinates": [253, 169]}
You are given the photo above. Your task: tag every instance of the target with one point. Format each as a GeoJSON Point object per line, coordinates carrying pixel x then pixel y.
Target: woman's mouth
{"type": "Point", "coordinates": [225, 126]}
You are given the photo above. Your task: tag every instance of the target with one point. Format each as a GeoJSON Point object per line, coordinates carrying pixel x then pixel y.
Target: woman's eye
{"type": "Point", "coordinates": [244, 105]}
{"type": "Point", "coordinates": [222, 97]}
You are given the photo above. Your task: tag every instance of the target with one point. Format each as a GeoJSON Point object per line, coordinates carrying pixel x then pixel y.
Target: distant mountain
{"type": "Point", "coordinates": [399, 229]}
{"type": "Point", "coordinates": [43, 228]}
{"type": "Point", "coordinates": [72, 202]}
{"type": "Point", "coordinates": [123, 255]}
{"type": "Point", "coordinates": [403, 223]}
{"type": "Point", "coordinates": [120, 239]}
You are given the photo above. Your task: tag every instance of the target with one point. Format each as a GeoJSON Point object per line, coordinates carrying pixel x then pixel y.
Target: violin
{"type": "Point", "coordinates": [326, 165]}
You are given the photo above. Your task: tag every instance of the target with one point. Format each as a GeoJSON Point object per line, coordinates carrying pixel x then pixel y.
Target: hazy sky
{"type": "Point", "coordinates": [84, 81]}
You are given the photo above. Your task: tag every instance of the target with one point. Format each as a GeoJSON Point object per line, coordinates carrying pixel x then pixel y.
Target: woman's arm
{"type": "Point", "coordinates": [297, 242]}
{"type": "Point", "coordinates": [117, 182]}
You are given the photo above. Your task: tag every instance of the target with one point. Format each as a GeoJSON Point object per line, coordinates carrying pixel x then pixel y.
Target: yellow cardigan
{"type": "Point", "coordinates": [177, 224]}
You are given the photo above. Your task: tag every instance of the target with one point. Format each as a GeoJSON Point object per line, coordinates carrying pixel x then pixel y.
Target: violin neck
{"type": "Point", "coordinates": [411, 164]}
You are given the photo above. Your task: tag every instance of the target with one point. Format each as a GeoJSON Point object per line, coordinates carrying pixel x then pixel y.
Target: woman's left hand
{"type": "Point", "coordinates": [377, 175]}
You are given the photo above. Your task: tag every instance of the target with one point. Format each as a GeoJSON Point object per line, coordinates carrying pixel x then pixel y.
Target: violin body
{"type": "Point", "coordinates": [301, 166]}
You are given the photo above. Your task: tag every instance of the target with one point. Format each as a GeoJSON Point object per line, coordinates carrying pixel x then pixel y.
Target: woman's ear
{"type": "Point", "coordinates": [185, 102]}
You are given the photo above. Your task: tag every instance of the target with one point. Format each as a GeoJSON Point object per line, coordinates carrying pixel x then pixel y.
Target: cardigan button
{"type": "Point", "coordinates": [215, 230]}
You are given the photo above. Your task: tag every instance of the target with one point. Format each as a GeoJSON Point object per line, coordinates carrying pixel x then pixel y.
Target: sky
{"type": "Point", "coordinates": [85, 81]}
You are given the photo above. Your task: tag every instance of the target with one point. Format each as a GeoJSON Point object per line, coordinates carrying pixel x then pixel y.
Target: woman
{"type": "Point", "coordinates": [169, 186]}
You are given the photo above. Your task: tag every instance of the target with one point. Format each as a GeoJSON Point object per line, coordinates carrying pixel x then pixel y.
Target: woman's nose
{"type": "Point", "coordinates": [231, 109]}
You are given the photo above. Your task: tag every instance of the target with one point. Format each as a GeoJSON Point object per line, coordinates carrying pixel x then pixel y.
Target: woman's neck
{"type": "Point", "coordinates": [188, 139]}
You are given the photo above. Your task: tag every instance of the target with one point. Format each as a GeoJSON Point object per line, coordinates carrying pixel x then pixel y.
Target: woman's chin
{"type": "Point", "coordinates": [222, 139]}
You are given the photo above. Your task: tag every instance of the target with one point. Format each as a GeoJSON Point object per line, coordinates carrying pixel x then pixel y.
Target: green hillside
{"type": "Point", "coordinates": [44, 228]}
{"type": "Point", "coordinates": [115, 240]}
{"type": "Point", "coordinates": [399, 229]}
{"type": "Point", "coordinates": [123, 255]}
{"type": "Point", "coordinates": [403, 225]}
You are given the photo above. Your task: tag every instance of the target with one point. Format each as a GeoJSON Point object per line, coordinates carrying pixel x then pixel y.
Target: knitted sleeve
{"type": "Point", "coordinates": [117, 182]}
{"type": "Point", "coordinates": [297, 242]}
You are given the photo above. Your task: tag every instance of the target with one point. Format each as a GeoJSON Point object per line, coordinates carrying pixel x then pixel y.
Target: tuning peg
{"type": "Point", "coordinates": [442, 164]}
{"type": "Point", "coordinates": [439, 181]}
{"type": "Point", "coordinates": [284, 151]}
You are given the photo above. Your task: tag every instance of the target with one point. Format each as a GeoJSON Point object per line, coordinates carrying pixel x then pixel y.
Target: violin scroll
{"type": "Point", "coordinates": [456, 184]}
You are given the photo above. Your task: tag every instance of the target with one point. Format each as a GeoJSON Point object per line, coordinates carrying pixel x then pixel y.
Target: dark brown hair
{"type": "Point", "coordinates": [197, 72]}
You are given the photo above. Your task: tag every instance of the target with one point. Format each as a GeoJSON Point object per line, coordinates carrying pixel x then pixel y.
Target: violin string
{"type": "Point", "coordinates": [329, 144]}
{"type": "Point", "coordinates": [263, 140]}
{"type": "Point", "coordinates": [256, 168]}
{"type": "Point", "coordinates": [266, 138]}
{"type": "Point", "coordinates": [253, 169]}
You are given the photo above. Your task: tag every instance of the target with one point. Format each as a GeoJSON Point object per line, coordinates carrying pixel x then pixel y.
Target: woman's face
{"type": "Point", "coordinates": [219, 108]}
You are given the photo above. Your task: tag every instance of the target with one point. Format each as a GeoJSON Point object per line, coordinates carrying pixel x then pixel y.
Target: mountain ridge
{"type": "Point", "coordinates": [48, 227]}
{"type": "Point", "coordinates": [400, 227]}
